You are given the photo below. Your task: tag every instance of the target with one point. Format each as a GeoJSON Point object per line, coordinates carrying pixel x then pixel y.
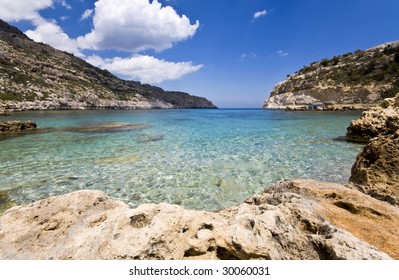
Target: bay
{"type": "Point", "coordinates": [200, 159]}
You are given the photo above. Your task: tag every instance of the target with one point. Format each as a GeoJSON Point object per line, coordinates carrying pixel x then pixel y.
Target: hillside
{"type": "Point", "coordinates": [35, 76]}
{"type": "Point", "coordinates": [362, 77]}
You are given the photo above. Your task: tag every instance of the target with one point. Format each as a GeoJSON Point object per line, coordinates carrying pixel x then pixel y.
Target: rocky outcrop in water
{"type": "Point", "coordinates": [362, 77]}
{"type": "Point", "coordinates": [293, 220]}
{"type": "Point", "coordinates": [381, 120]}
{"type": "Point", "coordinates": [376, 170]}
{"type": "Point", "coordinates": [16, 126]}
{"type": "Point", "coordinates": [35, 76]}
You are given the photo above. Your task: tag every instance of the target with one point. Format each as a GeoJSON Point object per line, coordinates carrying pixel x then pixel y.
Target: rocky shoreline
{"type": "Point", "coordinates": [4, 113]}
{"type": "Point", "coordinates": [327, 107]}
{"type": "Point", "coordinates": [295, 219]}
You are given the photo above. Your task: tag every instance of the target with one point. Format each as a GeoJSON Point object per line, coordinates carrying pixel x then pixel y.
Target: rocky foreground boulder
{"type": "Point", "coordinates": [301, 219]}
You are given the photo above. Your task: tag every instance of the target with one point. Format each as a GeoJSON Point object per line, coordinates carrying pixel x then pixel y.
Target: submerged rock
{"type": "Point", "coordinates": [5, 202]}
{"type": "Point", "coordinates": [107, 127]}
{"type": "Point", "coordinates": [16, 126]}
{"type": "Point", "coordinates": [293, 220]}
{"type": "Point", "coordinates": [147, 138]}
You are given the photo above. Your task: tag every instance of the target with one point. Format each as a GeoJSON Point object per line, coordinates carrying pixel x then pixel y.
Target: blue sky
{"type": "Point", "coordinates": [230, 51]}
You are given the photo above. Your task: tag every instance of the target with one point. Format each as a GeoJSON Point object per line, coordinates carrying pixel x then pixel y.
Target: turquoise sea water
{"type": "Point", "coordinates": [201, 159]}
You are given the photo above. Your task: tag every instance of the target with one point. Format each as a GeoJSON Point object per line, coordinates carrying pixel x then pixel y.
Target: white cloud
{"type": "Point", "coordinates": [281, 53]}
{"type": "Point", "coordinates": [260, 14]}
{"type": "Point", "coordinates": [65, 4]}
{"type": "Point", "coordinates": [86, 14]}
{"type": "Point", "coordinates": [12, 10]}
{"type": "Point", "coordinates": [136, 25]}
{"type": "Point", "coordinates": [52, 34]}
{"type": "Point", "coordinates": [129, 25]}
{"type": "Point", "coordinates": [246, 56]}
{"type": "Point", "coordinates": [146, 68]}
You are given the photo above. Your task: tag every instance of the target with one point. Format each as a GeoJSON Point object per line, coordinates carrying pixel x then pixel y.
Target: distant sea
{"type": "Point", "coordinates": [200, 159]}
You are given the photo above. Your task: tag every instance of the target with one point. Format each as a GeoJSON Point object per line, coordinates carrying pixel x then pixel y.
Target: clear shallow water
{"type": "Point", "coordinates": [201, 159]}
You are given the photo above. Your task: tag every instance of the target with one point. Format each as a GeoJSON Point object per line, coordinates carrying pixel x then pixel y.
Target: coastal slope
{"type": "Point", "coordinates": [361, 77]}
{"type": "Point", "coordinates": [35, 76]}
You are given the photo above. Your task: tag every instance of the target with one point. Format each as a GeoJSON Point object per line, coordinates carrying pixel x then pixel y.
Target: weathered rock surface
{"type": "Point", "coordinates": [35, 76]}
{"type": "Point", "coordinates": [301, 219]}
{"type": "Point", "coordinates": [16, 126]}
{"type": "Point", "coordinates": [381, 120]}
{"type": "Point", "coordinates": [362, 77]}
{"type": "Point", "coordinates": [4, 113]}
{"type": "Point", "coordinates": [376, 170]}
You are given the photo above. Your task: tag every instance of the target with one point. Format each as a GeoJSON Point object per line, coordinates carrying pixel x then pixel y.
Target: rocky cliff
{"type": "Point", "coordinates": [36, 76]}
{"type": "Point", "coordinates": [362, 77]}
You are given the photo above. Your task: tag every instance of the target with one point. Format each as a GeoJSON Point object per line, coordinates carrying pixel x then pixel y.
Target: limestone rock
{"type": "Point", "coordinates": [4, 113]}
{"type": "Point", "coordinates": [376, 170]}
{"type": "Point", "coordinates": [16, 126]}
{"type": "Point", "coordinates": [293, 220]}
{"type": "Point", "coordinates": [349, 79]}
{"type": "Point", "coordinates": [382, 120]}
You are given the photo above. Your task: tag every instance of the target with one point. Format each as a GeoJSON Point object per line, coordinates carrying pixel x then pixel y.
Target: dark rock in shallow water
{"type": "Point", "coordinates": [107, 127]}
{"type": "Point", "coordinates": [3, 198]}
{"type": "Point", "coordinates": [5, 202]}
{"type": "Point", "coordinates": [150, 138]}
{"type": "Point", "coordinates": [16, 126]}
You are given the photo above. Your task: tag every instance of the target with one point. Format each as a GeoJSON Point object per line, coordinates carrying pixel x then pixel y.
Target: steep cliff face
{"type": "Point", "coordinates": [362, 77]}
{"type": "Point", "coordinates": [37, 76]}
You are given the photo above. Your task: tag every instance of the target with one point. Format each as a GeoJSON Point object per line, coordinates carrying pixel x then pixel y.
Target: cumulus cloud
{"type": "Point", "coordinates": [50, 33]}
{"type": "Point", "coordinates": [136, 25]}
{"type": "Point", "coordinates": [260, 14]}
{"type": "Point", "coordinates": [146, 68]}
{"type": "Point", "coordinates": [86, 14]}
{"type": "Point", "coordinates": [12, 10]}
{"type": "Point", "coordinates": [127, 25]}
